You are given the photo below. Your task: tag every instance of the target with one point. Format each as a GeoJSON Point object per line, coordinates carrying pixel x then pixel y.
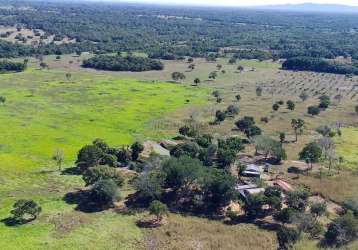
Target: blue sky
{"type": "Point", "coordinates": [240, 2]}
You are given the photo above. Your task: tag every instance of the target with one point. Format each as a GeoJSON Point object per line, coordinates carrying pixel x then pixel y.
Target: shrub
{"type": "Point", "coordinates": [287, 237]}
{"type": "Point", "coordinates": [25, 210]}
{"type": "Point", "coordinates": [94, 174]}
{"type": "Point", "coordinates": [158, 209]}
{"type": "Point", "coordinates": [318, 209]}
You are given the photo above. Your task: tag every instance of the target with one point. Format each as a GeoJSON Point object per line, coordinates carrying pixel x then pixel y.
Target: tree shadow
{"type": "Point", "coordinates": [12, 222]}
{"type": "Point", "coordinates": [85, 202]}
{"type": "Point", "coordinates": [71, 171]}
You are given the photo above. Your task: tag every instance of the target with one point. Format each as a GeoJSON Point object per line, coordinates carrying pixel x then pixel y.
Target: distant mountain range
{"type": "Point", "coordinates": [312, 7]}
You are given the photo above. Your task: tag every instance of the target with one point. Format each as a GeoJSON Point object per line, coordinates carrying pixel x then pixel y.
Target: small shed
{"type": "Point", "coordinates": [252, 170]}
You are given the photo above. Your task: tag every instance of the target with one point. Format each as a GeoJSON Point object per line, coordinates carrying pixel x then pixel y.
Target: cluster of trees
{"type": "Point", "coordinates": [248, 126]}
{"type": "Point", "coordinates": [122, 63]}
{"type": "Point", "coordinates": [98, 163]}
{"type": "Point", "coordinates": [319, 65]}
{"type": "Point", "coordinates": [6, 66]}
{"type": "Point", "coordinates": [325, 102]}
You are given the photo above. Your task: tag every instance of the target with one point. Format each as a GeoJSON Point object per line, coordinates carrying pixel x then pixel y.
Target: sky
{"type": "Point", "coordinates": [242, 2]}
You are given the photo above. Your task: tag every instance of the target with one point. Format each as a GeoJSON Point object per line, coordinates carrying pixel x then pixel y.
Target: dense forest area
{"type": "Point", "coordinates": [121, 63]}
{"type": "Point", "coordinates": [319, 65]}
{"type": "Point", "coordinates": [172, 32]}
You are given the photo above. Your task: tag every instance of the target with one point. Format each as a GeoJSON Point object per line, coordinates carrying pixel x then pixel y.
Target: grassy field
{"type": "Point", "coordinates": [45, 111]}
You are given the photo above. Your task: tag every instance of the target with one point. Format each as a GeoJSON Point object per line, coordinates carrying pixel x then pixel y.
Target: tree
{"type": "Point", "coordinates": [286, 215]}
{"type": "Point", "coordinates": [245, 123]}
{"type": "Point", "coordinates": [220, 116]}
{"type": "Point", "coordinates": [158, 209]}
{"type": "Point", "coordinates": [318, 209]}
{"type": "Point", "coordinates": [59, 158]}
{"type": "Point", "coordinates": [253, 205]}
{"type": "Point", "coordinates": [204, 140]}
{"type": "Point", "coordinates": [290, 105]}
{"type": "Point", "coordinates": [190, 60]}
{"type": "Point", "coordinates": [225, 157]}
{"type": "Point", "coordinates": [275, 107]}
{"type": "Point", "coordinates": [240, 68]}
{"type": "Point", "coordinates": [176, 76]}
{"type": "Point", "coordinates": [136, 148]}
{"type": "Point", "coordinates": [232, 60]}
{"type": "Point", "coordinates": [297, 125]}
{"type": "Point", "coordinates": [213, 75]}
{"type": "Point", "coordinates": [150, 185]}
{"type": "Point", "coordinates": [182, 172]}
{"type": "Point", "coordinates": [298, 199]}
{"type": "Point", "coordinates": [68, 76]}
{"type": "Point", "coordinates": [188, 131]}
{"type": "Point", "coordinates": [258, 91]}
{"type": "Point", "coordinates": [105, 192]}
{"type": "Point", "coordinates": [89, 156]}
{"type": "Point", "coordinates": [94, 174]}
{"type": "Point", "coordinates": [25, 210]}
{"type": "Point", "coordinates": [282, 137]}
{"type": "Point", "coordinates": [43, 65]}
{"type": "Point", "coordinates": [342, 230]}
{"type": "Point", "coordinates": [274, 197]}
{"type": "Point", "coordinates": [287, 237]}
{"type": "Point", "coordinates": [219, 188]}
{"type": "Point", "coordinates": [311, 153]}
{"type": "Point", "coordinates": [252, 131]}
{"type": "Point", "coordinates": [356, 109]}
{"type": "Point", "coordinates": [191, 66]}
{"type": "Point", "coordinates": [303, 96]}
{"type": "Point", "coordinates": [313, 110]}
{"type": "Point", "coordinates": [325, 101]}
{"type": "Point", "coordinates": [190, 149]}
{"type": "Point", "coordinates": [232, 110]}
{"type": "Point", "coordinates": [2, 99]}
{"type": "Point", "coordinates": [238, 97]}
{"type": "Point", "coordinates": [196, 81]}
{"type": "Point", "coordinates": [219, 66]}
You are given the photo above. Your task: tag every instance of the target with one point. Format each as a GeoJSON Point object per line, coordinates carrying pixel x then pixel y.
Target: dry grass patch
{"type": "Point", "coordinates": [197, 233]}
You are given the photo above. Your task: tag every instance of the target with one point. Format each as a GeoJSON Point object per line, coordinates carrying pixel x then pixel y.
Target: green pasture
{"type": "Point", "coordinates": [45, 111]}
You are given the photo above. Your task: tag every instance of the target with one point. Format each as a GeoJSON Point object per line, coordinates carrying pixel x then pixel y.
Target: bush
{"type": "Point", "coordinates": [12, 66]}
{"type": "Point", "coordinates": [287, 237]}
{"type": "Point", "coordinates": [136, 148]}
{"type": "Point", "coordinates": [190, 149]}
{"type": "Point", "coordinates": [89, 156]}
{"type": "Point", "coordinates": [158, 209]}
{"type": "Point", "coordinates": [25, 210]}
{"type": "Point", "coordinates": [318, 209]}
{"type": "Point", "coordinates": [94, 174]}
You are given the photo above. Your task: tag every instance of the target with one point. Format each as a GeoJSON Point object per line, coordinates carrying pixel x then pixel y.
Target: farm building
{"type": "Point", "coordinates": [252, 170]}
